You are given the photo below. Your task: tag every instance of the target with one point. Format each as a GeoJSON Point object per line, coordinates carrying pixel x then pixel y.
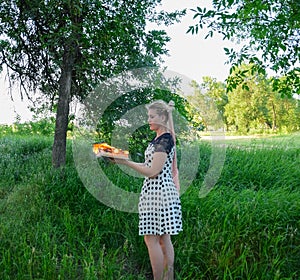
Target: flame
{"type": "Point", "coordinates": [98, 147]}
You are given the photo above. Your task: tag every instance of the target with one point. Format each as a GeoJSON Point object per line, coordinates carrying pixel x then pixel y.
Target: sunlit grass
{"type": "Point", "coordinates": [291, 141]}
{"type": "Point", "coordinates": [247, 227]}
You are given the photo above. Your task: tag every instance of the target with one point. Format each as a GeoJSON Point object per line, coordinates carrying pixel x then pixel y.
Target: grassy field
{"type": "Point", "coordinates": [247, 227]}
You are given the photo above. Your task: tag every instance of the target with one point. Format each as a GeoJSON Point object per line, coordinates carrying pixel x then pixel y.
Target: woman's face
{"type": "Point", "coordinates": [155, 120]}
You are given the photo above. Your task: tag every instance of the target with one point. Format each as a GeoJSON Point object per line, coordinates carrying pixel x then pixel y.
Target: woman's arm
{"type": "Point", "coordinates": [159, 159]}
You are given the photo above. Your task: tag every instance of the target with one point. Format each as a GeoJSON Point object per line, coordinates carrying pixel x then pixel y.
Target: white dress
{"type": "Point", "coordinates": [159, 205]}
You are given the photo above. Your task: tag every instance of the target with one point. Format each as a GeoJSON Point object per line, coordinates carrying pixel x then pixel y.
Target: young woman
{"type": "Point", "coordinates": [159, 205]}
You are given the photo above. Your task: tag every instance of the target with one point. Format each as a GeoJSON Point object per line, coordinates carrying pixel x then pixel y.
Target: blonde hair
{"type": "Point", "coordinates": [161, 107]}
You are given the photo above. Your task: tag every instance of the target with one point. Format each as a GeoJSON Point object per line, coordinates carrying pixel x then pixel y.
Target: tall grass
{"type": "Point", "coordinates": [247, 227]}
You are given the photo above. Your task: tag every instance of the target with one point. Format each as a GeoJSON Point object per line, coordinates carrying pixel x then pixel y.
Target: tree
{"type": "Point", "coordinates": [209, 101]}
{"type": "Point", "coordinates": [216, 91]}
{"type": "Point", "coordinates": [258, 108]}
{"type": "Point", "coordinates": [287, 113]}
{"type": "Point", "coordinates": [247, 106]}
{"type": "Point", "coordinates": [270, 30]}
{"type": "Point", "coordinates": [64, 48]}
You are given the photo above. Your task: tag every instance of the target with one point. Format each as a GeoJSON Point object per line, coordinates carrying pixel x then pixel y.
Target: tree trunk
{"type": "Point", "coordinates": [62, 114]}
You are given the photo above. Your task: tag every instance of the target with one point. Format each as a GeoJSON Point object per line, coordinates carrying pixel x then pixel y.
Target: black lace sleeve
{"type": "Point", "coordinates": [164, 143]}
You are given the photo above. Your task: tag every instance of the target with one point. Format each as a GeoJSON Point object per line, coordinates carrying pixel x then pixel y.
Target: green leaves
{"type": "Point", "coordinates": [109, 37]}
{"type": "Point", "coordinates": [256, 103]}
{"type": "Point", "coordinates": [65, 48]}
{"type": "Point", "coordinates": [269, 31]}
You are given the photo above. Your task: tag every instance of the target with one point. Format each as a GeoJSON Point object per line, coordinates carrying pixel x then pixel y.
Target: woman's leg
{"type": "Point", "coordinates": [168, 252]}
{"type": "Point", "coordinates": [156, 255]}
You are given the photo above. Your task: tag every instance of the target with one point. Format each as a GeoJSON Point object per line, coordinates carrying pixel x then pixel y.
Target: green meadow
{"type": "Point", "coordinates": [246, 227]}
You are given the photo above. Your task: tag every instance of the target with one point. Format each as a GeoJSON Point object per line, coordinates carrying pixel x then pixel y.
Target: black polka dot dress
{"type": "Point", "coordinates": [159, 205]}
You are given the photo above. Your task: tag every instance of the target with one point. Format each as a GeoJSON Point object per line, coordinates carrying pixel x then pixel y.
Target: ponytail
{"type": "Point", "coordinates": [172, 131]}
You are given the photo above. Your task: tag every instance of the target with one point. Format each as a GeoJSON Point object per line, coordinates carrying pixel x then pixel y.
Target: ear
{"type": "Point", "coordinates": [164, 118]}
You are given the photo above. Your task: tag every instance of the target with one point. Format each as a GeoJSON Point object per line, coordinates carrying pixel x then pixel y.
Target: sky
{"type": "Point", "coordinates": [192, 55]}
{"type": "Point", "coordinates": [189, 55]}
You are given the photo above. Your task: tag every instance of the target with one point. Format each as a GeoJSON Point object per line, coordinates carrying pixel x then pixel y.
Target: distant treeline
{"type": "Point", "coordinates": [251, 107]}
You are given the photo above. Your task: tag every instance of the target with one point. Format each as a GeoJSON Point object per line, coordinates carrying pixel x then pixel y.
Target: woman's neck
{"type": "Point", "coordinates": [160, 132]}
